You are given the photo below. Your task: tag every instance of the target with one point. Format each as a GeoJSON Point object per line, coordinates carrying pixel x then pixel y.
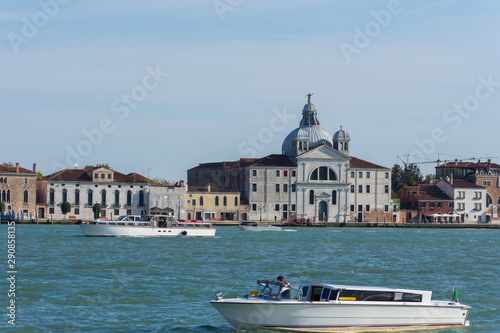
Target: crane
{"type": "Point", "coordinates": [438, 161]}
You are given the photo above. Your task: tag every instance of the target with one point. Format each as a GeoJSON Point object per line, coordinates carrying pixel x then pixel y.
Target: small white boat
{"type": "Point", "coordinates": [254, 226]}
{"type": "Point", "coordinates": [333, 308]}
{"type": "Point", "coordinates": [147, 226]}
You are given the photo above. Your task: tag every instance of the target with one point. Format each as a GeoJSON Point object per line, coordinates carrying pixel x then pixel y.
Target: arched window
{"type": "Point", "coordinates": [129, 198]}
{"type": "Point", "coordinates": [1, 179]}
{"type": "Point", "coordinates": [217, 200]}
{"type": "Point", "coordinates": [141, 199]}
{"type": "Point", "coordinates": [4, 196]}
{"type": "Point", "coordinates": [77, 197]}
{"type": "Point", "coordinates": [103, 198]}
{"type": "Point", "coordinates": [498, 201]}
{"type": "Point", "coordinates": [311, 197]}
{"type": "Point", "coordinates": [5, 180]}
{"type": "Point", "coordinates": [26, 180]}
{"type": "Point", "coordinates": [117, 198]}
{"type": "Point", "coordinates": [224, 201]}
{"type": "Point", "coordinates": [64, 195]}
{"type": "Point", "coordinates": [323, 173]}
{"type": "Point", "coordinates": [334, 197]}
{"type": "Point", "coordinates": [201, 200]}
{"type": "Point", "coordinates": [51, 196]}
{"type": "Point", "coordinates": [90, 197]}
{"type": "Point", "coordinates": [489, 200]}
{"type": "Point", "coordinates": [236, 201]}
{"type": "Point", "coordinates": [8, 195]}
{"type": "Point", "coordinates": [25, 196]}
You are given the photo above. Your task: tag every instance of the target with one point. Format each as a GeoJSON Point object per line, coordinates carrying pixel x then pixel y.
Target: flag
{"type": "Point", "coordinates": [454, 296]}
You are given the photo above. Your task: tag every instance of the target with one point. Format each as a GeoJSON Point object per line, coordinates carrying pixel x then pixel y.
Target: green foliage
{"type": "Point", "coordinates": [159, 181]}
{"type": "Point", "coordinates": [39, 175]}
{"type": "Point", "coordinates": [65, 207]}
{"type": "Point", "coordinates": [98, 165]}
{"type": "Point", "coordinates": [429, 178]}
{"type": "Point", "coordinates": [8, 164]}
{"type": "Point", "coordinates": [410, 176]}
{"type": "Point", "coordinates": [2, 207]}
{"type": "Point", "coordinates": [97, 209]}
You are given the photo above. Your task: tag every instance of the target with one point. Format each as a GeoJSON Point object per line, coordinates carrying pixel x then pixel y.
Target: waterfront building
{"type": "Point", "coordinates": [469, 199]}
{"type": "Point", "coordinates": [426, 202]}
{"type": "Point", "coordinates": [18, 190]}
{"type": "Point", "coordinates": [314, 178]}
{"type": "Point", "coordinates": [491, 182]}
{"type": "Point", "coordinates": [117, 193]}
{"type": "Point", "coordinates": [212, 203]}
{"type": "Point", "coordinates": [168, 199]}
{"type": "Point", "coordinates": [463, 170]}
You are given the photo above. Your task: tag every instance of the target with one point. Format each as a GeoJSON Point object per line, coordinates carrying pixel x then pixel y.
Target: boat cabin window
{"type": "Point", "coordinates": [407, 297]}
{"type": "Point", "coordinates": [305, 289]}
{"type": "Point", "coordinates": [325, 294]}
{"type": "Point", "coordinates": [316, 294]}
{"type": "Point", "coordinates": [130, 223]}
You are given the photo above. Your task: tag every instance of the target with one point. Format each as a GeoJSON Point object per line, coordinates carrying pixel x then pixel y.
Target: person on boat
{"type": "Point", "coordinates": [286, 294]}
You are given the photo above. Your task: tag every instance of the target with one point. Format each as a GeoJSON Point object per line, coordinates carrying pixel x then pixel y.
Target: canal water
{"type": "Point", "coordinates": [65, 282]}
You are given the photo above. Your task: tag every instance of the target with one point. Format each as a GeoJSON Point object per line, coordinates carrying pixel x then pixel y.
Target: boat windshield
{"type": "Point", "coordinates": [271, 289]}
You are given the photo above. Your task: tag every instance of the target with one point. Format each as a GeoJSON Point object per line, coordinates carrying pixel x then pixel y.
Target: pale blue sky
{"type": "Point", "coordinates": [231, 66]}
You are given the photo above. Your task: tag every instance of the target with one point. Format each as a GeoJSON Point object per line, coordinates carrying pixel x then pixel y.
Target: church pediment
{"type": "Point", "coordinates": [323, 195]}
{"type": "Point", "coordinates": [323, 152]}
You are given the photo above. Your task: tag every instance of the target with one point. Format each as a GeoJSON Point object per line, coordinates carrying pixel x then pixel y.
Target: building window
{"type": "Point", "coordinates": [422, 204]}
{"type": "Point", "coordinates": [360, 174]}
{"type": "Point", "coordinates": [77, 211]}
{"type": "Point", "coordinates": [386, 208]}
{"type": "Point", "coordinates": [96, 176]}
{"type": "Point", "coordinates": [311, 197]}
{"type": "Point", "coordinates": [201, 200]}
{"type": "Point", "coordinates": [367, 188]}
{"type": "Point", "coordinates": [334, 197]}
{"type": "Point", "coordinates": [103, 198]}
{"type": "Point", "coordinates": [254, 187]}
{"type": "Point", "coordinates": [277, 187]}
{"type": "Point", "coordinates": [486, 183]}
{"type": "Point", "coordinates": [323, 173]}
{"type": "Point", "coordinates": [387, 175]}
{"type": "Point", "coordinates": [460, 206]}
{"type": "Point", "coordinates": [432, 205]}
{"type": "Point", "coordinates": [277, 173]}
{"type": "Point", "coordinates": [478, 195]}
{"type": "Point", "coordinates": [64, 195]}
{"type": "Point", "coordinates": [90, 199]}
{"type": "Point", "coordinates": [109, 176]}
{"type": "Point", "coordinates": [51, 210]}
{"type": "Point", "coordinates": [293, 207]}
{"type": "Point", "coordinates": [368, 174]}
{"type": "Point", "coordinates": [117, 211]}
{"type": "Point", "coordinates": [117, 198]}
{"type": "Point", "coordinates": [224, 201]}
{"type": "Point", "coordinates": [352, 208]}
{"type": "Point", "coordinates": [285, 187]}
{"type": "Point", "coordinates": [461, 195]}
{"type": "Point", "coordinates": [77, 198]}
{"type": "Point", "coordinates": [25, 196]}
{"type": "Point", "coordinates": [386, 190]}
{"type": "Point", "coordinates": [477, 206]}
{"type": "Point", "coordinates": [141, 199]}
{"type": "Point", "coordinates": [367, 208]}
{"type": "Point", "coordinates": [194, 202]}
{"type": "Point", "coordinates": [489, 200]}
{"type": "Point", "coordinates": [450, 205]}
{"type": "Point", "coordinates": [293, 173]}
{"type": "Point", "coordinates": [254, 207]}
{"type": "Point", "coordinates": [439, 204]}
{"type": "Point", "coordinates": [285, 207]}
{"type": "Point", "coordinates": [352, 188]}
{"type": "Point", "coordinates": [26, 180]}
{"type": "Point", "coordinates": [236, 201]}
{"type": "Point", "coordinates": [217, 200]}
{"type": "Point", "coordinates": [254, 173]}
{"type": "Point", "coordinates": [293, 188]}
{"type": "Point", "coordinates": [360, 188]}
{"type": "Point", "coordinates": [102, 177]}
{"type": "Point", "coordinates": [129, 199]}
{"type": "Point", "coordinates": [285, 173]}
{"type": "Point", "coordinates": [277, 207]}
{"type": "Point", "coordinates": [353, 174]}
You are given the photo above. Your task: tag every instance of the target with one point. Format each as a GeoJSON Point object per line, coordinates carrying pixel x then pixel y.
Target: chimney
{"type": "Point", "coordinates": [182, 183]}
{"type": "Point", "coordinates": [488, 170]}
{"type": "Point", "coordinates": [17, 167]}
{"type": "Point", "coordinates": [209, 186]}
{"type": "Point", "coordinates": [478, 161]}
{"type": "Point", "coordinates": [34, 167]}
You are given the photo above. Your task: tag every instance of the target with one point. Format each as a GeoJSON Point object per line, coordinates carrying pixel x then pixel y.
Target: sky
{"type": "Point", "coordinates": [157, 87]}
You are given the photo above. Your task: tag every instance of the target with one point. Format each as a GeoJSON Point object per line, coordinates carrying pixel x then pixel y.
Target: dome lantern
{"type": "Point", "coordinates": [341, 141]}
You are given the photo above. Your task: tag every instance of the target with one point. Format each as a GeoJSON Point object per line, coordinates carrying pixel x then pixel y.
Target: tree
{"type": "Point", "coordinates": [8, 164]}
{"type": "Point", "coordinates": [98, 165]}
{"type": "Point", "coordinates": [409, 176]}
{"type": "Point", "coordinates": [65, 207]}
{"type": "Point", "coordinates": [97, 209]}
{"type": "Point", "coordinates": [429, 178]}
{"type": "Point", "coordinates": [39, 175]}
{"type": "Point", "coordinates": [2, 207]}
{"type": "Point", "coordinates": [159, 181]}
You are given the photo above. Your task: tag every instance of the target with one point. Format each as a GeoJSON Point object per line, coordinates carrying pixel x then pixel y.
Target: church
{"type": "Point", "coordinates": [313, 179]}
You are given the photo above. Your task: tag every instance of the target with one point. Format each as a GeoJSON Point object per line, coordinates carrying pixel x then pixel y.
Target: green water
{"type": "Point", "coordinates": [69, 283]}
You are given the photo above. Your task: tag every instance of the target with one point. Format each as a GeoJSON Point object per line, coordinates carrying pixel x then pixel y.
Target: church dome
{"type": "Point", "coordinates": [341, 135]}
{"type": "Point", "coordinates": [302, 134]}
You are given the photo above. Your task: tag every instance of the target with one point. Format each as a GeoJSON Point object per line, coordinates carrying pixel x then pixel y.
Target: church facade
{"type": "Point", "coordinates": [314, 178]}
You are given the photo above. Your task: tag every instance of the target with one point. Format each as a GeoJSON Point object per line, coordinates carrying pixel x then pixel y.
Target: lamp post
{"type": "Point", "coordinates": [260, 210]}
{"type": "Point", "coordinates": [179, 209]}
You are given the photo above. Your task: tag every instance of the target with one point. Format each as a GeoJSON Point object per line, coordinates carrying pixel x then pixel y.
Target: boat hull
{"type": "Point", "coordinates": [93, 230]}
{"type": "Point", "coordinates": [335, 317]}
{"type": "Point", "coordinates": [259, 228]}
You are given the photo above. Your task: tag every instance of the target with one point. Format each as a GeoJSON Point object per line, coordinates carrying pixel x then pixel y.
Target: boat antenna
{"type": "Point", "coordinates": [229, 289]}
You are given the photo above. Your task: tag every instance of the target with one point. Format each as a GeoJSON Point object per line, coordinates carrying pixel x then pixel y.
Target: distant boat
{"type": "Point", "coordinates": [147, 226]}
{"type": "Point", "coordinates": [276, 305]}
{"type": "Point", "coordinates": [254, 226]}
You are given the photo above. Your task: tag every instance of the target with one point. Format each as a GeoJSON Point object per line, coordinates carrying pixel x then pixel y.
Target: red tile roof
{"type": "Point", "coordinates": [82, 175]}
{"type": "Point", "coordinates": [357, 163]}
{"type": "Point", "coordinates": [428, 192]}
{"type": "Point", "coordinates": [460, 183]}
{"type": "Point", "coordinates": [9, 169]}
{"type": "Point", "coordinates": [468, 165]}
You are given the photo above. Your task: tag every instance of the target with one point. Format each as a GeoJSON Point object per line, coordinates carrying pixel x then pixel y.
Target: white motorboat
{"type": "Point", "coordinates": [254, 226]}
{"type": "Point", "coordinates": [147, 226]}
{"type": "Point", "coordinates": [333, 308]}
